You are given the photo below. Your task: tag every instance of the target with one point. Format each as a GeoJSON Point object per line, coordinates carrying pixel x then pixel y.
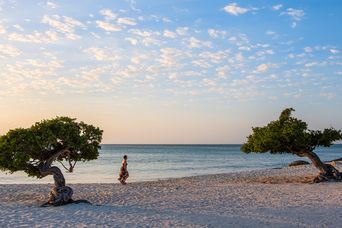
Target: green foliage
{"type": "Point", "coordinates": [26, 149]}
{"type": "Point", "coordinates": [288, 135]}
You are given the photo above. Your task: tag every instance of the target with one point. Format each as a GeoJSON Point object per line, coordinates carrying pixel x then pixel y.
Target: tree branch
{"type": "Point", "coordinates": [47, 163]}
{"type": "Point", "coordinates": [71, 169]}
{"type": "Point", "coordinates": [63, 165]}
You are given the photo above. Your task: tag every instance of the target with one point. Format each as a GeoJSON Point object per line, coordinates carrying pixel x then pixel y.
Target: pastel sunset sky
{"type": "Point", "coordinates": [170, 71]}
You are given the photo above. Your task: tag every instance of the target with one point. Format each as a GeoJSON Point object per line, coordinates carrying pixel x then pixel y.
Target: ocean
{"type": "Point", "coordinates": [155, 162]}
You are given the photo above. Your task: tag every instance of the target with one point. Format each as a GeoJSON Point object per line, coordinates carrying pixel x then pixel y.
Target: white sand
{"type": "Point", "coordinates": [245, 199]}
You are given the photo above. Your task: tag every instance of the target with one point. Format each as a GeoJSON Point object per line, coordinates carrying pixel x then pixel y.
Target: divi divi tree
{"type": "Point", "coordinates": [291, 135]}
{"type": "Point", "coordinates": [34, 150]}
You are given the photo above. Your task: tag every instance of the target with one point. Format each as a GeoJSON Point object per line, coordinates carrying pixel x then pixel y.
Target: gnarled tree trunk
{"type": "Point", "coordinates": [60, 194]}
{"type": "Point", "coordinates": [327, 172]}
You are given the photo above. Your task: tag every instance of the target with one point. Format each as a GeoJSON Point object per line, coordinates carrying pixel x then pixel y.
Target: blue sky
{"type": "Point", "coordinates": [170, 71]}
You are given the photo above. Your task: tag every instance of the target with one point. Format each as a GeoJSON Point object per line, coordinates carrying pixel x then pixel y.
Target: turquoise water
{"type": "Point", "coordinates": [153, 162]}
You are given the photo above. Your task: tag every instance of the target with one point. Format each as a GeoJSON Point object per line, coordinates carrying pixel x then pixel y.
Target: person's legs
{"type": "Point", "coordinates": [124, 178]}
{"type": "Point", "coordinates": [121, 175]}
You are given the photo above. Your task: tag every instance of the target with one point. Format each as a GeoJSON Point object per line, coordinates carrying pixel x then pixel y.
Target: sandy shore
{"type": "Point", "coordinates": [273, 198]}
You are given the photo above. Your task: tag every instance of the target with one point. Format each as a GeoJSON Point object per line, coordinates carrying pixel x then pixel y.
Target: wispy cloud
{"type": "Point", "coordinates": [126, 21]}
{"type": "Point", "coordinates": [108, 26]}
{"type": "Point", "coordinates": [217, 33]}
{"type": "Point", "coordinates": [146, 37]}
{"type": "Point", "coordinates": [108, 14]}
{"type": "Point", "coordinates": [132, 40]}
{"type": "Point", "coordinates": [170, 58]}
{"type": "Point", "coordinates": [63, 24]}
{"type": "Point", "coordinates": [182, 31]}
{"type": "Point", "coordinates": [295, 14]}
{"type": "Point", "coordinates": [52, 5]}
{"type": "Point", "coordinates": [169, 34]}
{"type": "Point", "coordinates": [18, 27]}
{"type": "Point", "coordinates": [308, 49]}
{"type": "Point", "coordinates": [102, 54]}
{"type": "Point", "coordinates": [196, 43]}
{"type": "Point", "coordinates": [334, 51]}
{"type": "Point", "coordinates": [262, 68]}
{"type": "Point", "coordinates": [235, 10]}
{"type": "Point", "coordinates": [277, 7]}
{"type": "Point", "coordinates": [2, 29]}
{"type": "Point", "coordinates": [8, 51]}
{"type": "Point", "coordinates": [36, 37]}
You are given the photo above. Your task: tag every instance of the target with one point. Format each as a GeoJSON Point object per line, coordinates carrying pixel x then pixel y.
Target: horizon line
{"type": "Point", "coordinates": [184, 144]}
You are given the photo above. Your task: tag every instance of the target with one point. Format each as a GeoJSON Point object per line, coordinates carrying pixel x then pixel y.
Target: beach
{"type": "Point", "coordinates": [218, 113]}
{"type": "Point", "coordinates": [270, 197]}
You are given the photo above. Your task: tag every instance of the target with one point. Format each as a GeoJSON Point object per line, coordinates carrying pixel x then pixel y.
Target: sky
{"type": "Point", "coordinates": [180, 71]}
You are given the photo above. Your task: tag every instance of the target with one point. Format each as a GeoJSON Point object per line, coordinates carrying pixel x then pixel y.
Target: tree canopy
{"type": "Point", "coordinates": [60, 139]}
{"type": "Point", "coordinates": [288, 135]}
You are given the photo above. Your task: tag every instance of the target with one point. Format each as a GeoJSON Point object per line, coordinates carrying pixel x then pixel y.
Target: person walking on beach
{"type": "Point", "coordinates": [123, 171]}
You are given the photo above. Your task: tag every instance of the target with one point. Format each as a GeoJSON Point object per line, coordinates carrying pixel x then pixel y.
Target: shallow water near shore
{"type": "Point", "coordinates": [154, 162]}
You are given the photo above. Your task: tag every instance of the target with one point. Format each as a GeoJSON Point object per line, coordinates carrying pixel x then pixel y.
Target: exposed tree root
{"type": "Point", "coordinates": [332, 175]}
{"type": "Point", "coordinates": [60, 195]}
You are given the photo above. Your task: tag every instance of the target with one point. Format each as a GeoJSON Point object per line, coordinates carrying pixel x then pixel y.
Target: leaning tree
{"type": "Point", "coordinates": [291, 135]}
{"type": "Point", "coordinates": [35, 149]}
